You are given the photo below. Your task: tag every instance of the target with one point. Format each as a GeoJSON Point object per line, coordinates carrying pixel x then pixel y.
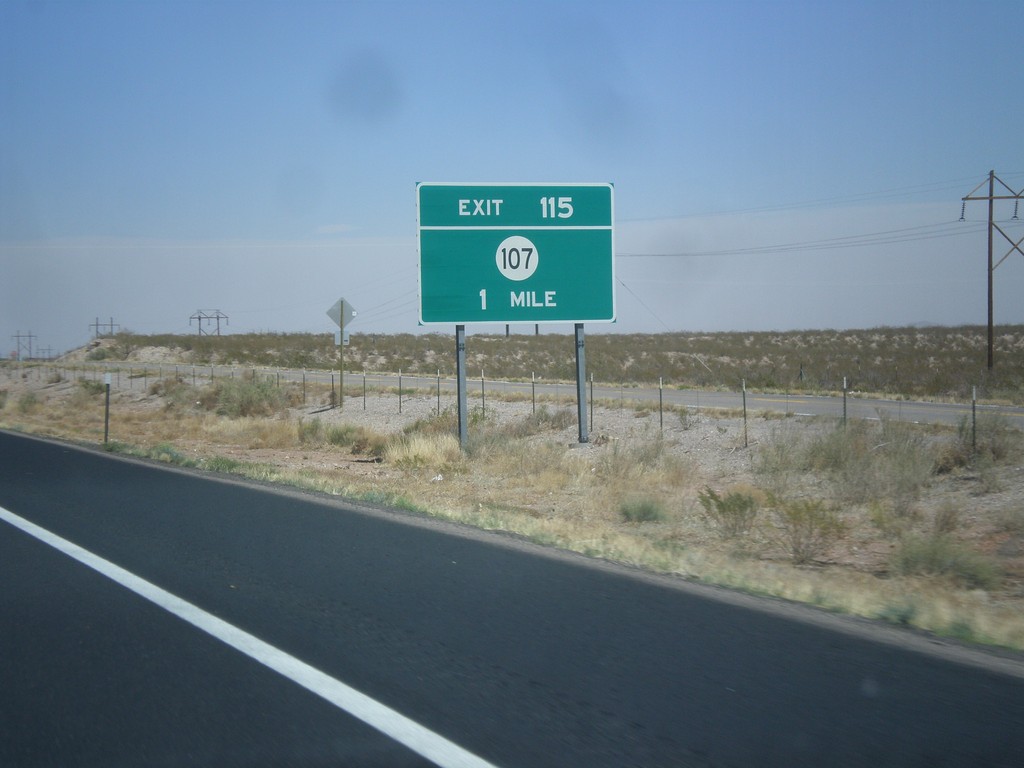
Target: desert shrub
{"type": "Point", "coordinates": [236, 397]}
{"type": "Point", "coordinates": [996, 437]}
{"type": "Point", "coordinates": [846, 456]}
{"type": "Point", "coordinates": [731, 515]}
{"type": "Point", "coordinates": [947, 518]}
{"type": "Point", "coordinates": [174, 390]}
{"type": "Point", "coordinates": [905, 463]}
{"type": "Point", "coordinates": [957, 451]}
{"type": "Point", "coordinates": [359, 440]}
{"type": "Point", "coordinates": [900, 612]}
{"type": "Point", "coordinates": [687, 418]}
{"type": "Point", "coordinates": [641, 511]}
{"type": "Point", "coordinates": [222, 464]}
{"type": "Point", "coordinates": [543, 420]}
{"type": "Point", "coordinates": [444, 423]}
{"type": "Point", "coordinates": [419, 451]}
{"type": "Point", "coordinates": [310, 432]}
{"type": "Point", "coordinates": [838, 450]}
{"type": "Point", "coordinates": [168, 453]}
{"type": "Point", "coordinates": [941, 555]}
{"type": "Point", "coordinates": [785, 457]}
{"type": "Point", "coordinates": [1012, 520]}
{"type": "Point", "coordinates": [991, 438]}
{"type": "Point", "coordinates": [806, 528]}
{"type": "Point", "coordinates": [27, 402]}
{"type": "Point", "coordinates": [891, 521]}
{"type": "Point", "coordinates": [863, 462]}
{"type": "Point", "coordinates": [90, 387]}
{"type": "Point", "coordinates": [3, 399]}
{"type": "Point", "coordinates": [631, 460]}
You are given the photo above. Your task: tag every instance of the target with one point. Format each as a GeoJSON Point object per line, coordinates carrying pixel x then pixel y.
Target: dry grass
{"type": "Point", "coordinates": [920, 362]}
{"type": "Point", "coordinates": [862, 504]}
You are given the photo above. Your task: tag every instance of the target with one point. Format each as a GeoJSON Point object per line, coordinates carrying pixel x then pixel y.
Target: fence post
{"type": "Point", "coordinates": [399, 390]}
{"type": "Point", "coordinates": [844, 401]}
{"type": "Point", "coordinates": [974, 419]}
{"type": "Point", "coordinates": [483, 395]}
{"type": "Point", "coordinates": [746, 444]}
{"type": "Point", "coordinates": [661, 404]}
{"type": "Point", "coordinates": [106, 409]}
{"type": "Point", "coordinates": [591, 402]}
{"type": "Point", "coordinates": [438, 391]}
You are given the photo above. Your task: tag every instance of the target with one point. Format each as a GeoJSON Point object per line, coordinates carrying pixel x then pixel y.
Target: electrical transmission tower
{"type": "Point", "coordinates": [208, 316]}
{"type": "Point", "coordinates": [97, 328]}
{"type": "Point", "coordinates": [23, 345]}
{"type": "Point", "coordinates": [991, 197]}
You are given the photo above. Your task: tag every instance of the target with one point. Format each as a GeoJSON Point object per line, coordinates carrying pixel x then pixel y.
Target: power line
{"type": "Point", "coordinates": [644, 305]}
{"type": "Point", "coordinates": [887, 237]}
{"type": "Point", "coordinates": [856, 197]}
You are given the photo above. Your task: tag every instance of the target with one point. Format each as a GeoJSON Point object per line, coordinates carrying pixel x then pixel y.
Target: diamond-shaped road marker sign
{"type": "Point", "coordinates": [341, 310]}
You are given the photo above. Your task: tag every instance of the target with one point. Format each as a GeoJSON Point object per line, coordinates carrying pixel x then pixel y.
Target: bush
{"type": "Point", "coordinates": [806, 528]}
{"type": "Point", "coordinates": [418, 451]}
{"type": "Point", "coordinates": [642, 511]}
{"type": "Point", "coordinates": [222, 464]}
{"type": "Point", "coordinates": [631, 461]}
{"type": "Point", "coordinates": [359, 440]}
{"type": "Point", "coordinates": [235, 398]}
{"type": "Point", "coordinates": [310, 432]}
{"type": "Point", "coordinates": [992, 438]}
{"type": "Point", "coordinates": [543, 420]}
{"type": "Point", "coordinates": [996, 437]}
{"type": "Point", "coordinates": [941, 555]}
{"type": "Point", "coordinates": [731, 515]}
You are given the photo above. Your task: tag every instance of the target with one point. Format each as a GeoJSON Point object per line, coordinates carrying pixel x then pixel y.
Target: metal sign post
{"type": "Point", "coordinates": [341, 312]}
{"type": "Point", "coordinates": [460, 376]}
{"type": "Point", "coordinates": [581, 383]}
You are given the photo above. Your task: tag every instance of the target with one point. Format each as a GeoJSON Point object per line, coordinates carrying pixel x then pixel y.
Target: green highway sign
{"type": "Point", "coordinates": [515, 253]}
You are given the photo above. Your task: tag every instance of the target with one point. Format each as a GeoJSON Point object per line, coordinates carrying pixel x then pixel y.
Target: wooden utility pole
{"type": "Point", "coordinates": [991, 197]}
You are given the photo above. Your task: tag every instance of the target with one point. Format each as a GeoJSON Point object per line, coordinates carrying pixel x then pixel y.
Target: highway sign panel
{"type": "Point", "coordinates": [516, 253]}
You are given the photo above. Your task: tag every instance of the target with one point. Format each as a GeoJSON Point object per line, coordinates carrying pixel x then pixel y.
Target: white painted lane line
{"type": "Point", "coordinates": [411, 734]}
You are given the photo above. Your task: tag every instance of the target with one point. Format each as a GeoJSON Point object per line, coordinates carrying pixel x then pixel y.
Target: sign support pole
{"type": "Point", "coordinates": [341, 359]}
{"type": "Point", "coordinates": [460, 375]}
{"type": "Point", "coordinates": [581, 383]}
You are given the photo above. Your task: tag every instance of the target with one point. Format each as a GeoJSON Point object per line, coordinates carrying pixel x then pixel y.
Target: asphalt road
{"type": "Point", "coordinates": [517, 655]}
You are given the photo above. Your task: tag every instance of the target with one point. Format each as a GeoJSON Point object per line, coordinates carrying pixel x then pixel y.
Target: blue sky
{"type": "Point", "coordinates": [261, 157]}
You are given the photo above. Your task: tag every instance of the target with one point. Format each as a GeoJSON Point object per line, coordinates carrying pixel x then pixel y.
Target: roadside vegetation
{"type": "Point", "coordinates": [932, 362]}
{"type": "Point", "coordinates": [913, 524]}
